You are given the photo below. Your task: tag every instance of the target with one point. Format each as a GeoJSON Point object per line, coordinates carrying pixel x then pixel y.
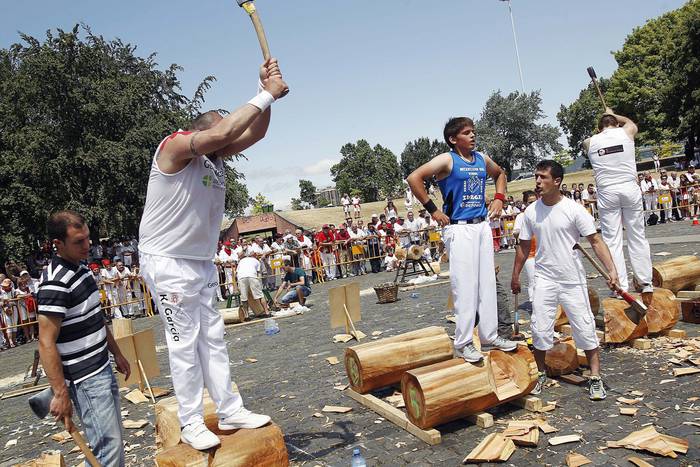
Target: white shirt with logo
{"type": "Point", "coordinates": [611, 153]}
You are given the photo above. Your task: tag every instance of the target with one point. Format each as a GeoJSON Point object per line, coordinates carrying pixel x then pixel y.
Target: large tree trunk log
{"type": "Point", "coordinates": [664, 311]}
{"type": "Point", "coordinates": [415, 252]}
{"type": "Point", "coordinates": [381, 363]}
{"type": "Point", "coordinates": [618, 325]}
{"type": "Point", "coordinates": [454, 389]}
{"type": "Point", "coordinates": [561, 318]}
{"type": "Point", "coordinates": [562, 359]}
{"type": "Point", "coordinates": [682, 272]}
{"type": "Point", "coordinates": [260, 447]}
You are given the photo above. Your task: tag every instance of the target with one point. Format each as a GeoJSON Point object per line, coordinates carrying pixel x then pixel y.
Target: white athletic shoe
{"type": "Point", "coordinates": [648, 288]}
{"type": "Point", "coordinates": [199, 437]}
{"type": "Point", "coordinates": [500, 344]}
{"type": "Point", "coordinates": [244, 418]}
{"type": "Point", "coordinates": [469, 353]}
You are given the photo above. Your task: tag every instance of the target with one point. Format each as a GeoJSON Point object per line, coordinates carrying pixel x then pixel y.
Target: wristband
{"type": "Point", "coordinates": [430, 206]}
{"type": "Point", "coordinates": [500, 196]}
{"type": "Point", "coordinates": [262, 101]}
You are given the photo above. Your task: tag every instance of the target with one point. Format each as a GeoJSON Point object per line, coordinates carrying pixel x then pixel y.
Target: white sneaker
{"type": "Point", "coordinates": [199, 437]}
{"type": "Point", "coordinates": [469, 353]}
{"type": "Point", "coordinates": [244, 418]}
{"type": "Point", "coordinates": [500, 344]}
{"type": "Point", "coordinates": [648, 288]}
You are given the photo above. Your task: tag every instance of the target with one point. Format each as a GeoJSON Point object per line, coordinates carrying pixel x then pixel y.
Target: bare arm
{"type": "Point", "coordinates": [255, 132]}
{"type": "Point", "coordinates": [439, 166]}
{"type": "Point", "coordinates": [499, 177]}
{"type": "Point", "coordinates": [61, 405]}
{"type": "Point", "coordinates": [603, 253]}
{"type": "Point", "coordinates": [521, 254]}
{"type": "Point", "coordinates": [627, 124]}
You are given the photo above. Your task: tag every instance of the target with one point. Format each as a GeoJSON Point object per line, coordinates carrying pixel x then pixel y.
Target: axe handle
{"type": "Point", "coordinates": [600, 94]}
{"type": "Point", "coordinates": [80, 441]}
{"type": "Point", "coordinates": [257, 24]}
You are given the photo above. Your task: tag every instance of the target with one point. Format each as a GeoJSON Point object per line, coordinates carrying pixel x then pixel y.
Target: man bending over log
{"type": "Point", "coordinates": [179, 233]}
{"type": "Point", "coordinates": [558, 222]}
{"type": "Point", "coordinates": [461, 174]}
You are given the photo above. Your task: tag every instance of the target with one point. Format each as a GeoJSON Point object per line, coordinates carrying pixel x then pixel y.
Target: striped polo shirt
{"type": "Point", "coordinates": [69, 292]}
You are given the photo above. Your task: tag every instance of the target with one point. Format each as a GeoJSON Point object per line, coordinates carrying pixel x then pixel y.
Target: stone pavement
{"type": "Point", "coordinates": [292, 380]}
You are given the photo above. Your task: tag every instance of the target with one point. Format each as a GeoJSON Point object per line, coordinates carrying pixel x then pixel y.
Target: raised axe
{"type": "Point", "coordinates": [639, 309]}
{"type": "Point", "coordinates": [594, 78]}
{"type": "Point", "coordinates": [40, 404]}
{"type": "Point", "coordinates": [249, 7]}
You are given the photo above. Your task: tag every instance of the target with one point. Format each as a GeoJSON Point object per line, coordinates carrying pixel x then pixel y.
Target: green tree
{"type": "Point", "coordinates": [297, 204]}
{"type": "Point", "coordinates": [80, 118]}
{"type": "Point", "coordinates": [307, 193]}
{"type": "Point", "coordinates": [418, 152]}
{"type": "Point", "coordinates": [373, 172]}
{"type": "Point", "coordinates": [564, 157]}
{"type": "Point", "coordinates": [259, 203]}
{"type": "Point", "coordinates": [509, 133]}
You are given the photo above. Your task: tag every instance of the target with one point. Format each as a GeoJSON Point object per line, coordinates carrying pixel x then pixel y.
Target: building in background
{"type": "Point", "coordinates": [328, 195]}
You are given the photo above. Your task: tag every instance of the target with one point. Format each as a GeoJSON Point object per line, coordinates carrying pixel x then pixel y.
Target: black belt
{"type": "Point", "coordinates": [475, 220]}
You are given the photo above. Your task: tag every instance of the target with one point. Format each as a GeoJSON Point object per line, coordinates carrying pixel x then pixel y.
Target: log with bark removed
{"type": "Point", "coordinates": [662, 314]}
{"type": "Point", "coordinates": [562, 359]}
{"type": "Point", "coordinates": [454, 389]}
{"type": "Point", "coordinates": [382, 362]}
{"type": "Point", "coordinates": [679, 273]}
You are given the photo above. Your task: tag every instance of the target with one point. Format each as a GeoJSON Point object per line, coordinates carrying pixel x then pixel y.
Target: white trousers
{"type": "Point", "coordinates": [183, 291]}
{"type": "Point", "coordinates": [622, 205]}
{"type": "Point", "coordinates": [650, 201]}
{"type": "Point", "coordinates": [530, 274]}
{"type": "Point", "coordinates": [228, 274]}
{"type": "Point", "coordinates": [574, 299]}
{"type": "Point", "coordinates": [328, 260]}
{"type": "Point", "coordinates": [473, 281]}
{"type": "Point", "coordinates": [113, 295]}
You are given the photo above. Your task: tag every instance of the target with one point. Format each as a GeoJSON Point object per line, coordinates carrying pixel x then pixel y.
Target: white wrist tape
{"type": "Point", "coordinates": [262, 101]}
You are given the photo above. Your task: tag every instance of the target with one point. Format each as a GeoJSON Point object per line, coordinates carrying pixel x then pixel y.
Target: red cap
{"type": "Point", "coordinates": [325, 226]}
{"type": "Point", "coordinates": [227, 243]}
{"type": "Point", "coordinates": [105, 262]}
{"type": "Point", "coordinates": [94, 266]}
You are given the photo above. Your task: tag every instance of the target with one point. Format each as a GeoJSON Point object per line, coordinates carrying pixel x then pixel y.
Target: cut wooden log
{"type": "Point", "coordinates": [382, 362]}
{"type": "Point", "coordinates": [618, 325]}
{"type": "Point", "coordinates": [168, 423]}
{"type": "Point", "coordinates": [260, 447]}
{"type": "Point", "coordinates": [561, 359]}
{"type": "Point", "coordinates": [47, 459]}
{"type": "Point", "coordinates": [681, 272]}
{"type": "Point", "coordinates": [561, 318]}
{"type": "Point", "coordinates": [415, 252]}
{"type": "Point", "coordinates": [494, 448]}
{"type": "Point", "coordinates": [230, 315]}
{"type": "Point", "coordinates": [453, 389]}
{"type": "Point", "coordinates": [664, 311]}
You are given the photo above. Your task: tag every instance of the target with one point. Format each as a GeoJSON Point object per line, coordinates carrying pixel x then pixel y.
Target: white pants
{"type": "Point", "coordinates": [183, 291]}
{"type": "Point", "coordinates": [530, 274]}
{"type": "Point", "coordinates": [473, 281]}
{"type": "Point", "coordinates": [574, 299]}
{"type": "Point", "coordinates": [666, 208]}
{"type": "Point", "coordinates": [113, 295]}
{"type": "Point", "coordinates": [618, 205]}
{"type": "Point", "coordinates": [228, 274]}
{"type": "Point", "coordinates": [650, 201]}
{"type": "Point", "coordinates": [328, 260]}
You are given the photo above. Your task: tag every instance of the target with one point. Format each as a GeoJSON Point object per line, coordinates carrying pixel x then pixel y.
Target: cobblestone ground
{"type": "Point", "coordinates": [292, 380]}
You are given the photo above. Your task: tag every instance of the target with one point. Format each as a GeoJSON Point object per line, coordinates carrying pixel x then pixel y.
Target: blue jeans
{"type": "Point", "coordinates": [100, 415]}
{"type": "Point", "coordinates": [291, 296]}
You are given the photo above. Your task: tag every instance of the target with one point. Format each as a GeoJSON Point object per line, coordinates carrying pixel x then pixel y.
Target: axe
{"type": "Point", "coordinates": [249, 7]}
{"type": "Point", "coordinates": [40, 404]}
{"type": "Point", "coordinates": [594, 78]}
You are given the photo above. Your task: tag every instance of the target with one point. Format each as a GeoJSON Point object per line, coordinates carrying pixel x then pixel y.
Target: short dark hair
{"type": "Point", "coordinates": [288, 262]}
{"type": "Point", "coordinates": [58, 223]}
{"type": "Point", "coordinates": [607, 120]}
{"type": "Point", "coordinates": [454, 126]}
{"type": "Point", "coordinates": [555, 168]}
{"type": "Point", "coordinates": [204, 121]}
{"type": "Point", "coordinates": [527, 194]}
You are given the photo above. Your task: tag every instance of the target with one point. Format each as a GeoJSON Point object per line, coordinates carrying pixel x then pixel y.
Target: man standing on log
{"type": "Point", "coordinates": [179, 232]}
{"type": "Point", "coordinates": [612, 156]}
{"type": "Point", "coordinates": [461, 174]}
{"type": "Point", "coordinates": [558, 222]}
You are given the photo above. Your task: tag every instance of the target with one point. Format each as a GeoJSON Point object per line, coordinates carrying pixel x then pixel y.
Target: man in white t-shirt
{"type": "Point", "coordinates": [356, 206]}
{"type": "Point", "coordinates": [249, 283]}
{"type": "Point", "coordinates": [612, 155]}
{"type": "Point", "coordinates": [345, 201]}
{"type": "Point", "coordinates": [178, 235]}
{"type": "Point", "coordinates": [110, 279]}
{"type": "Point", "coordinates": [558, 223]}
{"type": "Point", "coordinates": [228, 258]}
{"type": "Point", "coordinates": [650, 191]}
{"type": "Point", "coordinates": [412, 226]}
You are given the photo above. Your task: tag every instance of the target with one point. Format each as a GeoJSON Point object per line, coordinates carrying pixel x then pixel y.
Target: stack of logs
{"type": "Point", "coordinates": [436, 387]}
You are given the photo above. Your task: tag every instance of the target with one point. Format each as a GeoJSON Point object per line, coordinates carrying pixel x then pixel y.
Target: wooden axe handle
{"type": "Point", "coordinates": [249, 7]}
{"type": "Point", "coordinates": [80, 441]}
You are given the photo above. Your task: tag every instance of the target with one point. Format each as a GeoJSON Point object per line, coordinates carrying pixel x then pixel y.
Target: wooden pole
{"type": "Point", "coordinates": [145, 379]}
{"type": "Point", "coordinates": [348, 320]}
{"type": "Point", "coordinates": [80, 441]}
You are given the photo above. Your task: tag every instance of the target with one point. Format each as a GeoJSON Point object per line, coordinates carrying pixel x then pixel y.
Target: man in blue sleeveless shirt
{"type": "Point", "coordinates": [461, 175]}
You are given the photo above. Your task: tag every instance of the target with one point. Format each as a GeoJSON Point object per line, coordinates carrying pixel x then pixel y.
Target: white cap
{"type": "Point", "coordinates": [23, 273]}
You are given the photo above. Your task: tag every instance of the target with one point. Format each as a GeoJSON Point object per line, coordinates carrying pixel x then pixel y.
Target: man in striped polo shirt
{"type": "Point", "coordinates": [74, 341]}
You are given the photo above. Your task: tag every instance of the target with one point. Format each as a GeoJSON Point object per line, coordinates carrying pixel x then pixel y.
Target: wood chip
{"type": "Point", "coordinates": [396, 400]}
{"type": "Point", "coordinates": [523, 432]}
{"type": "Point", "coordinates": [377, 333]}
{"type": "Point", "coordinates": [136, 397]}
{"type": "Point", "coordinates": [341, 387]}
{"type": "Point", "coordinates": [574, 459]}
{"type": "Point", "coordinates": [631, 411]}
{"type": "Point", "coordinates": [451, 318]}
{"type": "Point", "coordinates": [662, 253]}
{"type": "Point", "coordinates": [694, 361]}
{"type": "Point", "coordinates": [134, 424]}
{"type": "Point", "coordinates": [557, 440]}
{"type": "Point", "coordinates": [649, 439]}
{"type": "Point", "coordinates": [336, 409]}
{"type": "Point", "coordinates": [342, 338]}
{"type": "Point", "coordinates": [685, 371]}
{"type": "Point", "coordinates": [546, 427]}
{"type": "Point", "coordinates": [251, 360]}
{"type": "Point", "coordinates": [494, 448]}
{"type": "Point", "coordinates": [547, 408]}
{"type": "Point", "coordinates": [318, 414]}
{"type": "Point", "coordinates": [10, 443]}
{"type": "Point", "coordinates": [636, 393]}
{"type": "Point", "coordinates": [332, 360]}
{"type": "Point", "coordinates": [639, 462]}
{"type": "Point", "coordinates": [625, 400]}
{"type": "Point", "coordinates": [61, 437]}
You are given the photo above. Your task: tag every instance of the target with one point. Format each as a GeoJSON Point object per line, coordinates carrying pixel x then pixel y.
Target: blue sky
{"type": "Point", "coordinates": [386, 71]}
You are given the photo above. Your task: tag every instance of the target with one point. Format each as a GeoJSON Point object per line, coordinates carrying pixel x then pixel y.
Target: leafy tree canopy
{"type": "Point", "coordinates": [418, 152]}
{"type": "Point", "coordinates": [373, 172]}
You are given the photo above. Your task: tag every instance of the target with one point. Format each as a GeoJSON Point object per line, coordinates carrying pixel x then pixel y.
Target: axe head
{"type": "Point", "coordinates": [41, 402]}
{"type": "Point", "coordinates": [241, 2]}
{"type": "Point", "coordinates": [591, 71]}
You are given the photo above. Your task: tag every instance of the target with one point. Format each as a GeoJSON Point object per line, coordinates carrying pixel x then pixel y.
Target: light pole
{"type": "Point", "coordinates": [515, 40]}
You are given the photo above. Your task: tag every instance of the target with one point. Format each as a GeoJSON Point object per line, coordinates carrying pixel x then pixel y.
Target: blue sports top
{"type": "Point", "coordinates": [464, 188]}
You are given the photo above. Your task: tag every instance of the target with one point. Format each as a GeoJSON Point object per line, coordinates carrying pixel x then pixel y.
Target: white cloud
{"type": "Point", "coordinates": [322, 167]}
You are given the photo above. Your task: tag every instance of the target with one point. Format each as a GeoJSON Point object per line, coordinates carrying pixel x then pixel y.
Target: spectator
{"type": "Point", "coordinates": [292, 248]}
{"type": "Point", "coordinates": [357, 236]}
{"type": "Point", "coordinates": [10, 311]}
{"type": "Point", "coordinates": [413, 227]}
{"type": "Point", "coordinates": [295, 286]}
{"type": "Point", "coordinates": [248, 273]}
{"type": "Point", "coordinates": [391, 262]}
{"type": "Point", "coordinates": [390, 210]}
{"type": "Point", "coordinates": [675, 184]}
{"type": "Point", "coordinates": [110, 280]}
{"type": "Point", "coordinates": [657, 162]}
{"type": "Point", "coordinates": [227, 258]}
{"type": "Point", "coordinates": [665, 198]}
{"type": "Point", "coordinates": [345, 201]}
{"type": "Point", "coordinates": [356, 206]}
{"type": "Point", "coordinates": [374, 248]}
{"type": "Point", "coordinates": [325, 240]}
{"type": "Point", "coordinates": [342, 239]}
{"type": "Point", "coordinates": [650, 191]}
{"type": "Point", "coordinates": [123, 285]}
{"type": "Point", "coordinates": [591, 200]}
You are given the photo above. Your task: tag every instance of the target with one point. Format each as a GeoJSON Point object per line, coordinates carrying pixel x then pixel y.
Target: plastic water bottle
{"type": "Point", "coordinates": [357, 459]}
{"type": "Point", "coordinates": [271, 326]}
{"type": "Point", "coordinates": [415, 295]}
